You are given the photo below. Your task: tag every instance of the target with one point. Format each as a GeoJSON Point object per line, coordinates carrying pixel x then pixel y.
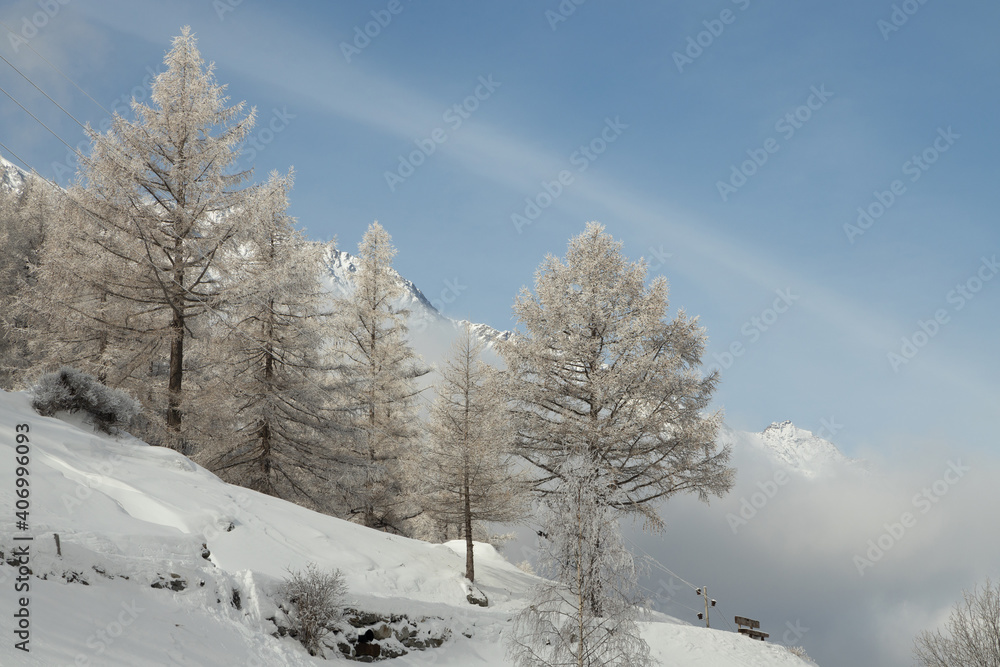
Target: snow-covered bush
{"type": "Point", "coordinates": [316, 601]}
{"type": "Point", "coordinates": [799, 652]}
{"type": "Point", "coordinates": [71, 390]}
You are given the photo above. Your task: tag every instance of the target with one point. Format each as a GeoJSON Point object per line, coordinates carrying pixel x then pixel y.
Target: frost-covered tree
{"type": "Point", "coordinates": [608, 412]}
{"type": "Point", "coordinates": [468, 467]}
{"type": "Point", "coordinates": [586, 613]}
{"type": "Point", "coordinates": [273, 361]}
{"type": "Point", "coordinates": [70, 309]}
{"type": "Point", "coordinates": [23, 213]}
{"type": "Point", "coordinates": [600, 372]}
{"type": "Point", "coordinates": [378, 377]}
{"type": "Point", "coordinates": [973, 633]}
{"type": "Point", "coordinates": [163, 204]}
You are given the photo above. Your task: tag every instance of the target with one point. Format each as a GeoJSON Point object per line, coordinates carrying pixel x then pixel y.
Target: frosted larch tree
{"type": "Point", "coordinates": [972, 633]}
{"type": "Point", "coordinates": [604, 388]}
{"type": "Point", "coordinates": [23, 214]}
{"type": "Point", "coordinates": [273, 361]}
{"type": "Point", "coordinates": [468, 467]}
{"type": "Point", "coordinates": [378, 373]}
{"type": "Point", "coordinates": [72, 309]}
{"type": "Point", "coordinates": [599, 371]}
{"type": "Point", "coordinates": [163, 190]}
{"type": "Point", "coordinates": [585, 613]}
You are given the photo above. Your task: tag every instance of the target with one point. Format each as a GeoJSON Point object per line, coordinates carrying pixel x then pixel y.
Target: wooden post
{"type": "Point", "coordinates": [58, 547]}
{"type": "Point", "coordinates": [704, 593]}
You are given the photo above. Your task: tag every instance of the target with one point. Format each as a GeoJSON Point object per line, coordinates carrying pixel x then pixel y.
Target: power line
{"type": "Point", "coordinates": [661, 566]}
{"type": "Point", "coordinates": [26, 78]}
{"type": "Point", "coordinates": [30, 168]}
{"type": "Point", "coordinates": [726, 618]}
{"type": "Point", "coordinates": [649, 558]}
{"type": "Point", "coordinates": [16, 156]}
{"type": "Point", "coordinates": [51, 131]}
{"type": "Point", "coordinates": [63, 74]}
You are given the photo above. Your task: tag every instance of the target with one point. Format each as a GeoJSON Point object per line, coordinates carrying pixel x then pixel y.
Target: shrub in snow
{"type": "Point", "coordinates": [526, 567]}
{"type": "Point", "coordinates": [799, 652]}
{"type": "Point", "coordinates": [316, 601]}
{"type": "Point", "coordinates": [71, 390]}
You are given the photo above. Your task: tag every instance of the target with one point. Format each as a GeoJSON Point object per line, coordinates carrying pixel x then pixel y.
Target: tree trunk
{"type": "Point", "coordinates": [102, 346]}
{"type": "Point", "coordinates": [176, 348]}
{"type": "Point", "coordinates": [369, 516]}
{"type": "Point", "coordinates": [579, 578]}
{"type": "Point", "coordinates": [265, 427]}
{"type": "Point", "coordinates": [470, 570]}
{"type": "Point", "coordinates": [176, 372]}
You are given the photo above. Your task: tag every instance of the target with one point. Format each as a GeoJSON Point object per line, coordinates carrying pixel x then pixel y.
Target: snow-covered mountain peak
{"type": "Point", "coordinates": [342, 268]}
{"type": "Point", "coordinates": [786, 425]}
{"type": "Point", "coordinates": [800, 449]}
{"type": "Point", "coordinates": [11, 176]}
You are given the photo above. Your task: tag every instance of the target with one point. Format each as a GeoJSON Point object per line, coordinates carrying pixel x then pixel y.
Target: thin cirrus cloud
{"type": "Point", "coordinates": [511, 162]}
{"type": "Point", "coordinates": [356, 93]}
{"type": "Point", "coordinates": [398, 111]}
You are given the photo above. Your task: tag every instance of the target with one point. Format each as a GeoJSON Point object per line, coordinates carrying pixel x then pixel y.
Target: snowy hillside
{"type": "Point", "coordinates": [163, 564]}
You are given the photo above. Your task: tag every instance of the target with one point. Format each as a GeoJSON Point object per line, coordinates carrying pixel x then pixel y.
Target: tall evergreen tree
{"type": "Point", "coordinates": [600, 372]}
{"type": "Point", "coordinates": [23, 215]}
{"type": "Point", "coordinates": [468, 464]}
{"type": "Point", "coordinates": [379, 372]}
{"type": "Point", "coordinates": [163, 205]}
{"type": "Point", "coordinates": [273, 361]}
{"type": "Point", "coordinates": [608, 407]}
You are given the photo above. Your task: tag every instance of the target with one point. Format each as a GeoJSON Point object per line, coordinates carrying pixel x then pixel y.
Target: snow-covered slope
{"type": "Point", "coordinates": [164, 564]}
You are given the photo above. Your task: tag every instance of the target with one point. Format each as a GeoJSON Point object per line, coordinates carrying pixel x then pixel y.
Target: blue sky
{"type": "Point", "coordinates": [346, 115]}
{"type": "Point", "coordinates": [807, 111]}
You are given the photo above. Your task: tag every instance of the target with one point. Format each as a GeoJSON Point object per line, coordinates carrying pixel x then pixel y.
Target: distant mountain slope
{"type": "Point", "coordinates": [343, 267]}
{"type": "Point", "coordinates": [794, 448]}
{"type": "Point", "coordinates": [12, 177]}
{"type": "Point", "coordinates": [423, 316]}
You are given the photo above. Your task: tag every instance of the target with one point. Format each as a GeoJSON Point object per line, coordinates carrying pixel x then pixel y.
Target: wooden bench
{"type": "Point", "coordinates": [750, 628]}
